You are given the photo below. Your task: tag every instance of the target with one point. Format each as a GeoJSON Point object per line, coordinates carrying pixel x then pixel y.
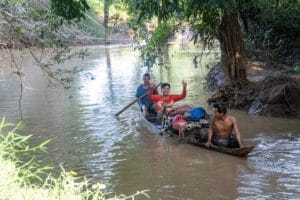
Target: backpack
{"type": "Point", "coordinates": [195, 114]}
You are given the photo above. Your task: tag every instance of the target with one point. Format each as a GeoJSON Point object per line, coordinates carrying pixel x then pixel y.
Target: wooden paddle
{"type": "Point", "coordinates": [131, 103]}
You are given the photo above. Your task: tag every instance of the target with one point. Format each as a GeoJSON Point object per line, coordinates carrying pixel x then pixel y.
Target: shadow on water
{"type": "Point", "coordinates": [124, 153]}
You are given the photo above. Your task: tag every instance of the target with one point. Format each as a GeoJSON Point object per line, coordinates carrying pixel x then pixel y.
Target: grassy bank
{"type": "Point", "coordinates": [20, 178]}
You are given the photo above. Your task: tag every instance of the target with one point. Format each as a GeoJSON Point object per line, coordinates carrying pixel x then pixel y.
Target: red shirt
{"type": "Point", "coordinates": [161, 101]}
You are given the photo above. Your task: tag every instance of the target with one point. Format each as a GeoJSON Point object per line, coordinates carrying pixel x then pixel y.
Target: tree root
{"type": "Point", "coordinates": [289, 105]}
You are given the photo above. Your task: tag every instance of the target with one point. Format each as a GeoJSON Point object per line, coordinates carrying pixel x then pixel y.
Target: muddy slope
{"type": "Point", "coordinates": [276, 95]}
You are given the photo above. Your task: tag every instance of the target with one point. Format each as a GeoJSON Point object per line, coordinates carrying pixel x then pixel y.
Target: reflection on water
{"type": "Point", "coordinates": [123, 152]}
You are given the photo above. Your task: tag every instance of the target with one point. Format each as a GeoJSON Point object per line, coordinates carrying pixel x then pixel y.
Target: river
{"type": "Point", "coordinates": [128, 157]}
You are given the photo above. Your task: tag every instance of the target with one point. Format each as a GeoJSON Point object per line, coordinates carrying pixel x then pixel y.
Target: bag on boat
{"type": "Point", "coordinates": [195, 114]}
{"type": "Point", "coordinates": [178, 122]}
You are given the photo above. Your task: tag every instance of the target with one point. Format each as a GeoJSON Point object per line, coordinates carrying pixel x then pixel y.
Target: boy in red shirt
{"type": "Point", "coordinates": [164, 102]}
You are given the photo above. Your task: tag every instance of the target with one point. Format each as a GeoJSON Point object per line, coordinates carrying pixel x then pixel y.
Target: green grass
{"type": "Point", "coordinates": [21, 179]}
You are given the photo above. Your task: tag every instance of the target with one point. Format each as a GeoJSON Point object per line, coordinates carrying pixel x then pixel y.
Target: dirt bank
{"type": "Point", "coordinates": [269, 92]}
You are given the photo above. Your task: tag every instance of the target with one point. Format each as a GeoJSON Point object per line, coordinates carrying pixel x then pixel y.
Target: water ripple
{"type": "Point", "coordinates": [277, 155]}
{"type": "Point", "coordinates": [275, 163]}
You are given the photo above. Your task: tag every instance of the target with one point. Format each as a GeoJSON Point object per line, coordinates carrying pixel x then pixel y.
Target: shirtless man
{"type": "Point", "coordinates": [222, 125]}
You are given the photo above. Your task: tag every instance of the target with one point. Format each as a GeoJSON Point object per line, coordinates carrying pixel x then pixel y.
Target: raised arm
{"type": "Point", "coordinates": [236, 130]}
{"type": "Point", "coordinates": [177, 97]}
{"type": "Point", "coordinates": [152, 96]}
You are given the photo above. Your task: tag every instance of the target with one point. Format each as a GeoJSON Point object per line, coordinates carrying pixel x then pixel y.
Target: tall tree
{"type": "Point", "coordinates": [210, 20]}
{"type": "Point", "coordinates": [233, 52]}
{"type": "Point", "coordinates": [220, 20]}
{"type": "Point", "coordinates": [107, 4]}
{"type": "Point", "coordinates": [69, 9]}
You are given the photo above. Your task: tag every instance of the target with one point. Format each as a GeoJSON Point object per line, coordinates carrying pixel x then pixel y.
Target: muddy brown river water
{"type": "Point", "coordinates": [124, 153]}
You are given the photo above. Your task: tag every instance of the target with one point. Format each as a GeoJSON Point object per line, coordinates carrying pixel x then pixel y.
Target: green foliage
{"type": "Point", "coordinates": [162, 9]}
{"type": "Point", "coordinates": [204, 16]}
{"type": "Point", "coordinates": [32, 24]}
{"type": "Point", "coordinates": [294, 70]}
{"type": "Point", "coordinates": [205, 26]}
{"type": "Point", "coordinates": [153, 24]}
{"type": "Point", "coordinates": [116, 7]}
{"type": "Point", "coordinates": [21, 179]}
{"type": "Point", "coordinates": [155, 49]}
{"type": "Point", "coordinates": [275, 26]}
{"type": "Point", "coordinates": [14, 146]}
{"type": "Point", "coordinates": [69, 9]}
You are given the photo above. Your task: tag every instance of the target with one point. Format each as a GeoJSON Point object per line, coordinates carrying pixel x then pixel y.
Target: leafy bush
{"type": "Point", "coordinates": [21, 179]}
{"type": "Point", "coordinates": [156, 45]}
{"type": "Point", "coordinates": [275, 27]}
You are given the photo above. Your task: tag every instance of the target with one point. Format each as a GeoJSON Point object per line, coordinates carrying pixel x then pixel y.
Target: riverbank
{"type": "Point", "coordinates": [270, 91]}
{"type": "Point", "coordinates": [20, 179]}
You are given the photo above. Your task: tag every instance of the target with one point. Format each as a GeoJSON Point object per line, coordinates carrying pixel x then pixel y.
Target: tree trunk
{"type": "Point", "coordinates": [233, 53]}
{"type": "Point", "coordinates": [106, 17]}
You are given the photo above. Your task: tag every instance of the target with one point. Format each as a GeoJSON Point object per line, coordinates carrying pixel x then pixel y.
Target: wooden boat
{"type": "Point", "coordinates": [196, 136]}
